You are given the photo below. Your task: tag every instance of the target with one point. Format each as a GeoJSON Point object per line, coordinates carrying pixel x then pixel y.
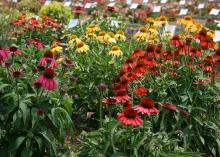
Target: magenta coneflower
{"type": "Point", "coordinates": [129, 117]}
{"type": "Point", "coordinates": [167, 105]}
{"type": "Point", "coordinates": [46, 79]}
{"type": "Point", "coordinates": [146, 107]}
{"type": "Point", "coordinates": [3, 55]}
{"type": "Point", "coordinates": [48, 58]}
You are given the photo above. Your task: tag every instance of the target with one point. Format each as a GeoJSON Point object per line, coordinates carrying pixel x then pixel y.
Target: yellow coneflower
{"type": "Point", "coordinates": [92, 28]}
{"type": "Point", "coordinates": [115, 51]}
{"type": "Point", "coordinates": [64, 36]}
{"type": "Point", "coordinates": [120, 35]}
{"type": "Point", "coordinates": [150, 20]}
{"type": "Point", "coordinates": [188, 18]}
{"type": "Point", "coordinates": [168, 35]}
{"type": "Point", "coordinates": [56, 48]}
{"type": "Point", "coordinates": [153, 32]}
{"type": "Point", "coordinates": [111, 37]}
{"type": "Point", "coordinates": [161, 21]}
{"type": "Point", "coordinates": [81, 47]}
{"type": "Point", "coordinates": [211, 33]}
{"type": "Point", "coordinates": [141, 35]}
{"type": "Point", "coordinates": [73, 38]}
{"type": "Point", "coordinates": [111, 62]}
{"type": "Point", "coordinates": [102, 36]}
{"type": "Point", "coordinates": [190, 27]}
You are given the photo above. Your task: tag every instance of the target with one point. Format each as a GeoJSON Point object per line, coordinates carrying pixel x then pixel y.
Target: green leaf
{"type": "Point", "coordinates": [50, 144]}
{"type": "Point", "coordinates": [16, 145]}
{"type": "Point", "coordinates": [118, 154]}
{"type": "Point", "coordinates": [67, 103]}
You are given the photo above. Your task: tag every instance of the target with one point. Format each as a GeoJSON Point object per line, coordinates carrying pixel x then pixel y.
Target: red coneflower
{"type": "Point", "coordinates": [140, 90]}
{"type": "Point", "coordinates": [216, 54]}
{"type": "Point", "coordinates": [129, 62]}
{"type": "Point", "coordinates": [195, 51]}
{"type": "Point", "coordinates": [176, 40]}
{"type": "Point", "coordinates": [122, 95]}
{"type": "Point", "coordinates": [46, 79]}
{"type": "Point", "coordinates": [208, 64]}
{"type": "Point", "coordinates": [207, 43]}
{"type": "Point", "coordinates": [140, 67]}
{"type": "Point", "coordinates": [146, 107]}
{"type": "Point", "coordinates": [150, 50]}
{"type": "Point", "coordinates": [127, 104]}
{"type": "Point", "coordinates": [138, 53]}
{"type": "Point", "coordinates": [129, 117]}
{"type": "Point", "coordinates": [202, 35]}
{"type": "Point", "coordinates": [167, 105]}
{"type": "Point", "coordinates": [110, 8]}
{"type": "Point", "coordinates": [48, 58]}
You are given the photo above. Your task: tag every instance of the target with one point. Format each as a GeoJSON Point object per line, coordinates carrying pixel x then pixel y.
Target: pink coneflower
{"type": "Point", "coordinates": [110, 100]}
{"type": "Point", "coordinates": [102, 86]}
{"type": "Point", "coordinates": [146, 107]}
{"type": "Point", "coordinates": [78, 10]}
{"type": "Point", "coordinates": [200, 82]}
{"type": "Point", "coordinates": [129, 117]}
{"type": "Point", "coordinates": [46, 79]}
{"type": "Point", "coordinates": [40, 112]}
{"type": "Point", "coordinates": [13, 50]}
{"type": "Point", "coordinates": [48, 58]}
{"type": "Point", "coordinates": [35, 42]}
{"type": "Point", "coordinates": [167, 105]}
{"type": "Point", "coordinates": [184, 113]}
{"type": "Point", "coordinates": [16, 73]}
{"type": "Point", "coordinates": [37, 84]}
{"type": "Point", "coordinates": [3, 55]}
{"type": "Point", "coordinates": [67, 63]}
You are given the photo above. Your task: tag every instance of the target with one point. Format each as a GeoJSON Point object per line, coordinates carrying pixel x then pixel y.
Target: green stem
{"type": "Point", "coordinates": [100, 115]}
{"type": "Point", "coordinates": [162, 120]}
{"type": "Point", "coordinates": [17, 93]}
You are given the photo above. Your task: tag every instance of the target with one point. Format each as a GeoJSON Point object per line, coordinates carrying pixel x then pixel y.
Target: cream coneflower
{"type": "Point", "coordinates": [81, 47]}
{"type": "Point", "coordinates": [120, 35]}
{"type": "Point", "coordinates": [141, 35]}
{"type": "Point", "coordinates": [115, 51]}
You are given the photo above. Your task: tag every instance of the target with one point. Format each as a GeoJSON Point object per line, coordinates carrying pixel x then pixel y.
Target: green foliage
{"type": "Point", "coordinates": [58, 11]}
{"type": "Point", "coordinates": [32, 6]}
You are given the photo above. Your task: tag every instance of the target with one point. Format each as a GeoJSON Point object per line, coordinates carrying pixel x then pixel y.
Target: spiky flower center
{"type": "Point", "coordinates": [49, 73]}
